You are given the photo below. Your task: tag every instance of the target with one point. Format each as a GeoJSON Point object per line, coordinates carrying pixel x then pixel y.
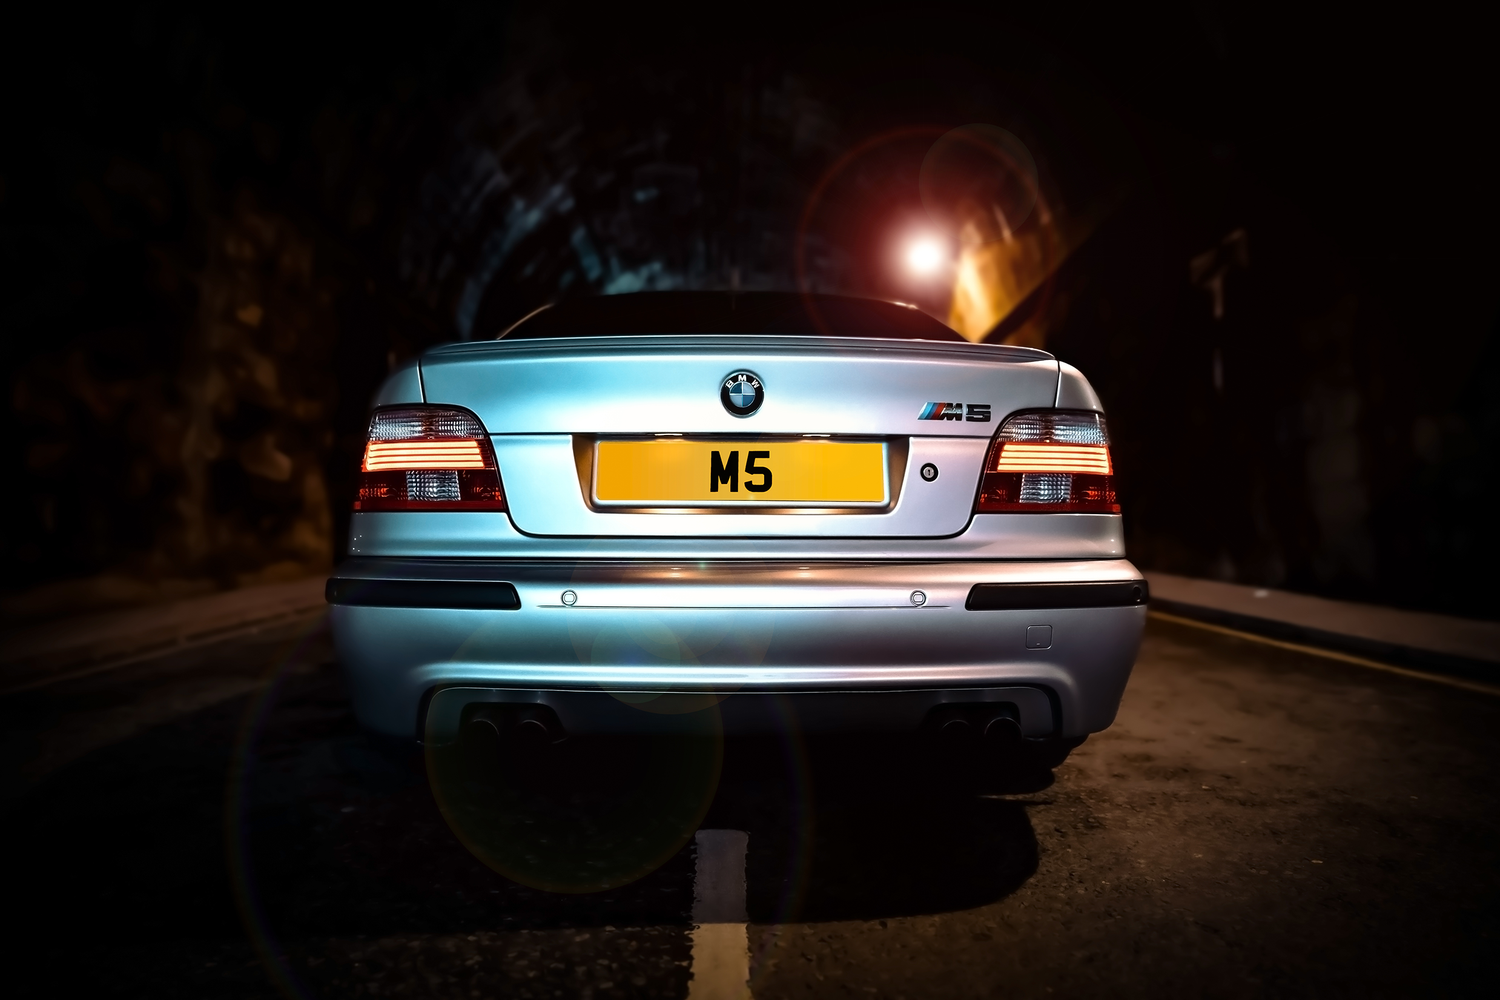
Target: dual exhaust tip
{"type": "Point", "coordinates": [994, 725]}
{"type": "Point", "coordinates": [525, 727]}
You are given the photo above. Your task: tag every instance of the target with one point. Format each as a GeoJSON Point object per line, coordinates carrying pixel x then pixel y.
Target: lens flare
{"type": "Point", "coordinates": [584, 815]}
{"type": "Point", "coordinates": [587, 813]}
{"type": "Point", "coordinates": [237, 807]}
{"type": "Point", "coordinates": [979, 184]}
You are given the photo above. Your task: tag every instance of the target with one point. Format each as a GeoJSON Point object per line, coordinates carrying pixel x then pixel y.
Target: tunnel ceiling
{"type": "Point", "coordinates": [589, 167]}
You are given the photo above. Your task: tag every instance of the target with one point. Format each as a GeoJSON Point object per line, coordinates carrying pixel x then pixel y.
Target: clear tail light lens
{"type": "Point", "coordinates": [428, 458]}
{"type": "Point", "coordinates": [1052, 461]}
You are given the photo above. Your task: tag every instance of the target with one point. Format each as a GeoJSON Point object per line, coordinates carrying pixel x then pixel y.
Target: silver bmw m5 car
{"type": "Point", "coordinates": [784, 511]}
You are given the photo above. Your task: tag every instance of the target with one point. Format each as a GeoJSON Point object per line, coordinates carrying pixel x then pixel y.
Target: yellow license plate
{"type": "Point", "coordinates": [682, 472]}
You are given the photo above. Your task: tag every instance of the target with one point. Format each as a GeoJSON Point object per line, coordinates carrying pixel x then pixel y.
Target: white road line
{"type": "Point", "coordinates": [721, 944]}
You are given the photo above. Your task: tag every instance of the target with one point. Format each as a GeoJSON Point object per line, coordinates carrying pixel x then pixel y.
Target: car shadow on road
{"type": "Point", "coordinates": [875, 827]}
{"type": "Point", "coordinates": [138, 850]}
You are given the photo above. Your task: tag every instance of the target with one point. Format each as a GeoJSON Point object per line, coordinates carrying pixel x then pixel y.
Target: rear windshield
{"type": "Point", "coordinates": [768, 313]}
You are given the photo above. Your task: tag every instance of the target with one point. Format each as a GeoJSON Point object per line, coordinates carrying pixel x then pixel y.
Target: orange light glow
{"type": "Point", "coordinates": [390, 456]}
{"type": "Point", "coordinates": [1084, 458]}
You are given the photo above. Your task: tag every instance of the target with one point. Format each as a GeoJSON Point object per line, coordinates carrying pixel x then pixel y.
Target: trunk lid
{"type": "Point", "coordinates": [546, 404]}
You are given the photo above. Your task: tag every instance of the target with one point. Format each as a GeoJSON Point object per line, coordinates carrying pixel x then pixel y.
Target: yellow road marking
{"type": "Point", "coordinates": [1331, 654]}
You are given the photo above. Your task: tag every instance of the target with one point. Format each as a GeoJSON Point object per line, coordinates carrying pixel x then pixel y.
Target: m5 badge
{"type": "Point", "coordinates": [978, 413]}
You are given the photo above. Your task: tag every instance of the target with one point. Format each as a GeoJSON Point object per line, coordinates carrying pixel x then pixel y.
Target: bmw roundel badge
{"type": "Point", "coordinates": [742, 393]}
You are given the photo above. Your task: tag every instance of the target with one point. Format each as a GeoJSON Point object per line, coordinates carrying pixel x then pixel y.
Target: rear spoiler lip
{"type": "Point", "coordinates": [739, 343]}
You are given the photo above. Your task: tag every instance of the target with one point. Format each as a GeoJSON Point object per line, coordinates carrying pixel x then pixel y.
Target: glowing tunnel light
{"type": "Point", "coordinates": [925, 256]}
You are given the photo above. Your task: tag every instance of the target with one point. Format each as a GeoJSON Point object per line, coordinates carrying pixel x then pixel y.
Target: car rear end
{"type": "Point", "coordinates": [596, 534]}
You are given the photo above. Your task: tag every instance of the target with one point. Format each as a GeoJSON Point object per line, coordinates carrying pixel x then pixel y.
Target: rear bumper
{"type": "Point", "coordinates": [822, 645]}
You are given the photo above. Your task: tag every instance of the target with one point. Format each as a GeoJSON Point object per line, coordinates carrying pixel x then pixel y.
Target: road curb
{"type": "Point", "coordinates": [1412, 640]}
{"type": "Point", "coordinates": [63, 650]}
{"type": "Point", "coordinates": [1397, 655]}
{"type": "Point", "coordinates": [1449, 680]}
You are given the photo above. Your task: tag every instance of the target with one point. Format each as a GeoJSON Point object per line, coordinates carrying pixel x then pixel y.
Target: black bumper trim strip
{"type": "Point", "coordinates": [453, 594]}
{"type": "Point", "coordinates": [1048, 596]}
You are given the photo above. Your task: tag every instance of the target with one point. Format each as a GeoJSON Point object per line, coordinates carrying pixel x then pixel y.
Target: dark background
{"type": "Point", "coordinates": [220, 228]}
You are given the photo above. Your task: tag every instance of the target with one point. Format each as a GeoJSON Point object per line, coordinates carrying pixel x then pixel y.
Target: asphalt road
{"type": "Point", "coordinates": [1257, 823]}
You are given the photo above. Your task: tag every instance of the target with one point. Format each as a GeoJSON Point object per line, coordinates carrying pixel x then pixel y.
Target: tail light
{"type": "Point", "coordinates": [428, 458]}
{"type": "Point", "coordinates": [1052, 461]}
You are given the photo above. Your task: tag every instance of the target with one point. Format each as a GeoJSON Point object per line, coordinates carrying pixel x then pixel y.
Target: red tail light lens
{"type": "Point", "coordinates": [428, 458]}
{"type": "Point", "coordinates": [1052, 461]}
